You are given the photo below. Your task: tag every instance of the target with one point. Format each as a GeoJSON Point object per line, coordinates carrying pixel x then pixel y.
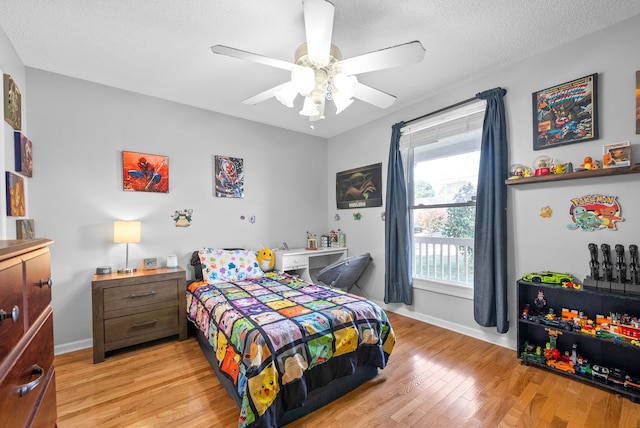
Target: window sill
{"type": "Point", "coordinates": [443, 287]}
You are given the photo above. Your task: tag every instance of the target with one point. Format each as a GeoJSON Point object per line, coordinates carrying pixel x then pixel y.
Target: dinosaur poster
{"type": "Point", "coordinates": [594, 212]}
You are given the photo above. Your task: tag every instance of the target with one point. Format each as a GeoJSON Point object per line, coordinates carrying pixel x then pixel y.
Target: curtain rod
{"type": "Point", "coordinates": [441, 110]}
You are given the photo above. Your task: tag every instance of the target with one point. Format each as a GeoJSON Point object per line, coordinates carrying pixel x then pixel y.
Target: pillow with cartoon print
{"type": "Point", "coordinates": [220, 265]}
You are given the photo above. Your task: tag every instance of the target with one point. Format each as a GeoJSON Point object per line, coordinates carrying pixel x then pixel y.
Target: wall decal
{"type": "Point", "coordinates": [182, 218]}
{"type": "Point", "coordinates": [593, 212]}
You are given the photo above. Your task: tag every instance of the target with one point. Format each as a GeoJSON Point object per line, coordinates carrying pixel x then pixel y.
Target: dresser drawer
{"type": "Point", "coordinates": [134, 296]}
{"type": "Point", "coordinates": [38, 283]}
{"type": "Point", "coordinates": [11, 302]}
{"type": "Point", "coordinates": [25, 381]}
{"type": "Point", "coordinates": [151, 324]}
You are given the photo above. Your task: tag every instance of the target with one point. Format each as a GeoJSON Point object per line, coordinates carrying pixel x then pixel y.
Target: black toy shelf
{"type": "Point", "coordinates": [603, 172]}
{"type": "Point", "coordinates": [605, 350]}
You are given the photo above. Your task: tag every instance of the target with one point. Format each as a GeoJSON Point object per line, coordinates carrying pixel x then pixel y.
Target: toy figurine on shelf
{"type": "Point", "coordinates": [525, 311]}
{"type": "Point", "coordinates": [589, 163]}
{"type": "Point", "coordinates": [607, 266]}
{"type": "Point", "coordinates": [540, 302]}
{"type": "Point", "coordinates": [594, 264]}
{"type": "Point", "coordinates": [541, 165]}
{"type": "Point", "coordinates": [621, 266]}
{"type": "Point", "coordinates": [633, 265]}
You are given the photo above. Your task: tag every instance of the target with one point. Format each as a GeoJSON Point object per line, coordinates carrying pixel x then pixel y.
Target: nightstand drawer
{"type": "Point", "coordinates": [151, 324]}
{"type": "Point", "coordinates": [134, 296]}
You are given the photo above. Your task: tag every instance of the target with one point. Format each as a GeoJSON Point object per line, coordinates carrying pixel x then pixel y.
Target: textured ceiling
{"type": "Point", "coordinates": [162, 47]}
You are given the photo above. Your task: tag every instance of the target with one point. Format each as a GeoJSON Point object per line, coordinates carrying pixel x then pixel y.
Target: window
{"type": "Point", "coordinates": [443, 155]}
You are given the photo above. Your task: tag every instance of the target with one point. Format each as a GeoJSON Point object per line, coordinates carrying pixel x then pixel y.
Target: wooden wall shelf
{"type": "Point", "coordinates": [604, 172]}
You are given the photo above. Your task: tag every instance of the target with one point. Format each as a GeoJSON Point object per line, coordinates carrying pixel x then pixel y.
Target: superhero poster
{"type": "Point", "coordinates": [594, 212]}
{"type": "Point", "coordinates": [229, 177]}
{"type": "Point", "coordinates": [566, 113]}
{"type": "Point", "coordinates": [142, 172]}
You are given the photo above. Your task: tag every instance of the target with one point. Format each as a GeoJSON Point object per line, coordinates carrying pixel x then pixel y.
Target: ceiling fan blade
{"type": "Point", "coordinates": [318, 24]}
{"type": "Point", "coordinates": [394, 56]}
{"type": "Point", "coordinates": [373, 96]}
{"type": "Point", "coordinates": [248, 56]}
{"type": "Point", "coordinates": [263, 96]}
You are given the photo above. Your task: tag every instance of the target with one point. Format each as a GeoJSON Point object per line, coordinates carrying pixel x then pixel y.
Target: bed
{"type": "Point", "coordinates": [281, 347]}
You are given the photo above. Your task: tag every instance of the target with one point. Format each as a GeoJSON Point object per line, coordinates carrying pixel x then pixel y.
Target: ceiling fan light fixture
{"type": "Point", "coordinates": [286, 94]}
{"type": "Point", "coordinates": [303, 79]}
{"type": "Point", "coordinates": [341, 102]}
{"type": "Point", "coordinates": [309, 108]}
{"type": "Point", "coordinates": [344, 84]}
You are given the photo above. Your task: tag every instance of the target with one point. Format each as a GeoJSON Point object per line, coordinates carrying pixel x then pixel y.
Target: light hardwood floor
{"type": "Point", "coordinates": [435, 378]}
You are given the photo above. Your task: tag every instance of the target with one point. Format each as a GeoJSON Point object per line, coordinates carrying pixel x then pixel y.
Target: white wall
{"type": "Point", "coordinates": [535, 243]}
{"type": "Point", "coordinates": [79, 130]}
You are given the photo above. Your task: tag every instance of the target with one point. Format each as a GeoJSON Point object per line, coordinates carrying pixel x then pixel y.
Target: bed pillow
{"type": "Point", "coordinates": [220, 265]}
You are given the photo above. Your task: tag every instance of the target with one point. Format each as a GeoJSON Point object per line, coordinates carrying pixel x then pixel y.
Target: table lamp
{"type": "Point", "coordinates": [126, 232]}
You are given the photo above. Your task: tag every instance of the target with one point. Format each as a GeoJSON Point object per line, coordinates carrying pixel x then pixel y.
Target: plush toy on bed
{"type": "Point", "coordinates": [266, 259]}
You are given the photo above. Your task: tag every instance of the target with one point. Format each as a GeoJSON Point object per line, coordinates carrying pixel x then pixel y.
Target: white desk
{"type": "Point", "coordinates": [307, 262]}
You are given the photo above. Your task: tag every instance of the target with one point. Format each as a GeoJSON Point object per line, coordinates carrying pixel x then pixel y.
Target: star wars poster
{"type": "Point", "coordinates": [359, 187]}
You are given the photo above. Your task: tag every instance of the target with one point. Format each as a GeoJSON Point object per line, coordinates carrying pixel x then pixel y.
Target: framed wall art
{"type": "Point", "coordinates": [566, 113]}
{"type": "Point", "coordinates": [12, 103]}
{"type": "Point", "coordinates": [228, 177]}
{"type": "Point", "coordinates": [359, 187]}
{"type": "Point", "coordinates": [143, 172]}
{"type": "Point", "coordinates": [15, 195]}
{"type": "Point", "coordinates": [25, 229]}
{"type": "Point", "coordinates": [638, 102]}
{"type": "Point", "coordinates": [23, 149]}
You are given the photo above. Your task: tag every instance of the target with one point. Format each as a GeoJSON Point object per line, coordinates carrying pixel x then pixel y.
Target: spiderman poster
{"type": "Point", "coordinates": [145, 173]}
{"type": "Point", "coordinates": [229, 177]}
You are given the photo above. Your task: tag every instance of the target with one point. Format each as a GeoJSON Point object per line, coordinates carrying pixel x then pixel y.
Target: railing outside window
{"type": "Point", "coordinates": [443, 258]}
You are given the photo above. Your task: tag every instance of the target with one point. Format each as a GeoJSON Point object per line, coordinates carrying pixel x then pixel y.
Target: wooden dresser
{"type": "Point", "coordinates": [27, 376]}
{"type": "Point", "coordinates": [132, 308]}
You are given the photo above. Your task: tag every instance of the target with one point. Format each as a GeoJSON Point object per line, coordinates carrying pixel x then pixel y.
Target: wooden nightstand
{"type": "Point", "coordinates": [129, 309]}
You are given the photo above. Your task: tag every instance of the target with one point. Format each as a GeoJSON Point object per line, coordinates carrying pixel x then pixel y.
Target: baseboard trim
{"type": "Point", "coordinates": [73, 346]}
{"type": "Point", "coordinates": [502, 340]}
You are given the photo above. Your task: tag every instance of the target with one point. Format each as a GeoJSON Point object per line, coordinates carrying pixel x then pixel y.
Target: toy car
{"type": "Point", "coordinates": [616, 376]}
{"type": "Point", "coordinates": [599, 372]}
{"type": "Point", "coordinates": [548, 277]}
{"type": "Point", "coordinates": [632, 383]}
{"type": "Point", "coordinates": [561, 365]}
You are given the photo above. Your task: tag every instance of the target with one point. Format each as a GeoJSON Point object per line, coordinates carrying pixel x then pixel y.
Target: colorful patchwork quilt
{"type": "Point", "coordinates": [278, 337]}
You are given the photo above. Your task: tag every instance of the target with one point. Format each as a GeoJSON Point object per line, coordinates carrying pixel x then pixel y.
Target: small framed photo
{"type": "Point", "coordinates": [25, 229]}
{"type": "Point", "coordinates": [616, 155]}
{"type": "Point", "coordinates": [149, 263]}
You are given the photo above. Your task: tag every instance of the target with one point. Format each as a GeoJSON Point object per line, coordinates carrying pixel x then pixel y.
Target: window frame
{"type": "Point", "coordinates": [442, 286]}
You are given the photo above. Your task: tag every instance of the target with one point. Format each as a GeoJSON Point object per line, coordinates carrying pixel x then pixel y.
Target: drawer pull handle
{"type": "Point", "coordinates": [142, 324]}
{"type": "Point", "coordinates": [15, 314]}
{"type": "Point", "coordinates": [28, 387]}
{"type": "Point", "coordinates": [48, 282]}
{"type": "Point", "coordinates": [135, 296]}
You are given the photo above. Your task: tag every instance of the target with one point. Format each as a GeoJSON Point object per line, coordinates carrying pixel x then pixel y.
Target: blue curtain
{"type": "Point", "coordinates": [398, 278]}
{"type": "Point", "coordinates": [490, 251]}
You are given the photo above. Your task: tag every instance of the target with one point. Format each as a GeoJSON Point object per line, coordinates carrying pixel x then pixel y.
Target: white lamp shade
{"type": "Point", "coordinates": [286, 94]}
{"type": "Point", "coordinates": [341, 102]}
{"type": "Point", "coordinates": [346, 85]}
{"type": "Point", "coordinates": [126, 231]}
{"type": "Point", "coordinates": [303, 79]}
{"type": "Point", "coordinates": [309, 108]}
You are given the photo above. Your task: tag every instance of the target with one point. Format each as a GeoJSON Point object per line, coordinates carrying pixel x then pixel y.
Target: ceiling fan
{"type": "Point", "coordinates": [319, 72]}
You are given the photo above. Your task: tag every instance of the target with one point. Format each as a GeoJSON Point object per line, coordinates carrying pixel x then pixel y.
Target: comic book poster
{"type": "Point", "coordinates": [142, 172]}
{"type": "Point", "coordinates": [228, 177]}
{"type": "Point", "coordinates": [566, 113]}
